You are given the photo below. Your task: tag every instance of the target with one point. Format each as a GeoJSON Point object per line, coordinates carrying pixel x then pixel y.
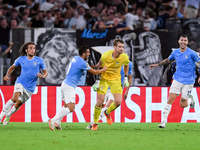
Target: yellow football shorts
{"type": "Point", "coordinates": [115, 86]}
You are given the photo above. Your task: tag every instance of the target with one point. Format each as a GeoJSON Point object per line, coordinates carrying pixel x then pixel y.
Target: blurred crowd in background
{"type": "Point", "coordinates": [92, 14]}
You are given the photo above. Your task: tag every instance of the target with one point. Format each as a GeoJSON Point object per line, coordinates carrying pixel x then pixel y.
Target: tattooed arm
{"type": "Point", "coordinates": [164, 62]}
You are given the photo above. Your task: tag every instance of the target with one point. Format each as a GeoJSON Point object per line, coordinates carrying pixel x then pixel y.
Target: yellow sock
{"type": "Point", "coordinates": [111, 108]}
{"type": "Point", "coordinates": [97, 111]}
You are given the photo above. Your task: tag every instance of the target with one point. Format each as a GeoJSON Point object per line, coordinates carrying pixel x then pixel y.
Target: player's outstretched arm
{"type": "Point", "coordinates": [164, 62]}
{"type": "Point", "coordinates": [94, 72]}
{"type": "Point", "coordinates": [9, 72]}
{"type": "Point", "coordinates": [98, 65]}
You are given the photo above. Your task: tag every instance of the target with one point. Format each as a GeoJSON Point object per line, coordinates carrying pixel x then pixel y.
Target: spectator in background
{"type": "Point", "coordinates": [49, 20]}
{"type": "Point", "coordinates": [180, 10]}
{"type": "Point", "coordinates": [69, 20]}
{"type": "Point", "coordinates": [29, 4]}
{"type": "Point", "coordinates": [80, 21]}
{"type": "Point", "coordinates": [3, 54]}
{"type": "Point", "coordinates": [139, 13]}
{"type": "Point", "coordinates": [131, 19]}
{"type": "Point", "coordinates": [48, 5]}
{"type": "Point", "coordinates": [111, 16]}
{"type": "Point", "coordinates": [1, 17]}
{"type": "Point", "coordinates": [161, 18]}
{"type": "Point", "coordinates": [83, 3]}
{"type": "Point", "coordinates": [34, 10]}
{"type": "Point", "coordinates": [27, 11]}
{"type": "Point", "coordinates": [37, 21]}
{"type": "Point", "coordinates": [99, 6]}
{"type": "Point", "coordinates": [191, 9]}
{"type": "Point", "coordinates": [149, 22]}
{"type": "Point", "coordinates": [119, 26]}
{"type": "Point", "coordinates": [119, 4]}
{"type": "Point", "coordinates": [58, 19]}
{"type": "Point", "coordinates": [25, 21]}
{"type": "Point", "coordinates": [13, 24]}
{"type": "Point", "coordinates": [14, 15]}
{"type": "Point", "coordinates": [5, 34]}
{"type": "Point", "coordinates": [5, 12]}
{"type": "Point", "coordinates": [90, 20]}
{"type": "Point", "coordinates": [94, 12]}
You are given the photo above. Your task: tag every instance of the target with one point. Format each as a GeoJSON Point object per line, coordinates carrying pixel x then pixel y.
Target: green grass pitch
{"type": "Point", "coordinates": [74, 136]}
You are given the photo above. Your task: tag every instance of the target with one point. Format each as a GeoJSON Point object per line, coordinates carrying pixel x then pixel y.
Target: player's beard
{"type": "Point", "coordinates": [30, 55]}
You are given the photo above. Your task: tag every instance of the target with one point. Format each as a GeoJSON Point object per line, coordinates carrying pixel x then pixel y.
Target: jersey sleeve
{"type": "Point", "coordinates": [85, 66]}
{"type": "Point", "coordinates": [195, 56]}
{"type": "Point", "coordinates": [130, 70]}
{"type": "Point", "coordinates": [17, 61]}
{"type": "Point", "coordinates": [42, 64]}
{"type": "Point", "coordinates": [103, 58]}
{"type": "Point", "coordinates": [171, 56]}
{"type": "Point", "coordinates": [126, 59]}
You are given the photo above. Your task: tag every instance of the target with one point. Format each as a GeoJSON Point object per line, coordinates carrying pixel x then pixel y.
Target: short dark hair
{"type": "Point", "coordinates": [82, 49]}
{"type": "Point", "coordinates": [117, 41]}
{"type": "Point", "coordinates": [183, 35]}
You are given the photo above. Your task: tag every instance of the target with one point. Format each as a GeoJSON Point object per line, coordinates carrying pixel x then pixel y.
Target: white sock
{"type": "Point", "coordinates": [6, 109]}
{"type": "Point", "coordinates": [102, 115]}
{"type": "Point", "coordinates": [189, 100]}
{"type": "Point", "coordinates": [59, 116]}
{"type": "Point", "coordinates": [12, 111]}
{"type": "Point", "coordinates": [166, 112]}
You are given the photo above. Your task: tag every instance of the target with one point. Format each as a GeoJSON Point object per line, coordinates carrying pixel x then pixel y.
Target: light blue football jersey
{"type": "Point", "coordinates": [130, 71]}
{"type": "Point", "coordinates": [185, 65]}
{"type": "Point", "coordinates": [29, 70]}
{"type": "Point", "coordinates": [75, 71]}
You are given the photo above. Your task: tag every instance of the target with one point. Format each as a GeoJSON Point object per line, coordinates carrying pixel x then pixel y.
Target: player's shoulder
{"type": "Point", "coordinates": [78, 60]}
{"type": "Point", "coordinates": [21, 58]}
{"type": "Point", "coordinates": [191, 50]}
{"type": "Point", "coordinates": [108, 52]}
{"type": "Point", "coordinates": [38, 59]}
{"type": "Point", "coordinates": [125, 56]}
{"type": "Point", "coordinates": [176, 50]}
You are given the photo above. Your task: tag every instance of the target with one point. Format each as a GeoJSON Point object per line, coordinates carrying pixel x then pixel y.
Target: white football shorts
{"type": "Point", "coordinates": [25, 95]}
{"type": "Point", "coordinates": [184, 89]}
{"type": "Point", "coordinates": [67, 93]}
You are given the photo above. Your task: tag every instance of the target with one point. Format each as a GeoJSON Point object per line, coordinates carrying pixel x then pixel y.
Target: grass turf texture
{"type": "Point", "coordinates": [138, 136]}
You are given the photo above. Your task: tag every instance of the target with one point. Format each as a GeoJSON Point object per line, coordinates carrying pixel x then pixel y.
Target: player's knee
{"type": "Point", "coordinates": [14, 99]}
{"type": "Point", "coordinates": [117, 104]}
{"type": "Point", "coordinates": [71, 106]}
{"type": "Point", "coordinates": [18, 104]}
{"type": "Point", "coordinates": [183, 103]}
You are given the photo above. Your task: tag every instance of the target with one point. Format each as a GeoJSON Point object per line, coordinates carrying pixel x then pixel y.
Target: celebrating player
{"type": "Point", "coordinates": [184, 77]}
{"type": "Point", "coordinates": [26, 82]}
{"type": "Point", "coordinates": [77, 66]}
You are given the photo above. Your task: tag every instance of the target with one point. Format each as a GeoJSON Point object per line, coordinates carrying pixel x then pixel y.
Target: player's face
{"type": "Point", "coordinates": [87, 54]}
{"type": "Point", "coordinates": [119, 48]}
{"type": "Point", "coordinates": [31, 50]}
{"type": "Point", "coordinates": [183, 42]}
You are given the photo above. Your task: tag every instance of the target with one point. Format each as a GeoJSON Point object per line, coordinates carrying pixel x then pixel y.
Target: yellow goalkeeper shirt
{"type": "Point", "coordinates": [113, 65]}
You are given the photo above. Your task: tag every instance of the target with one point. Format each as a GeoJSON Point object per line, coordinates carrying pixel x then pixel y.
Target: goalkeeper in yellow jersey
{"type": "Point", "coordinates": [113, 59]}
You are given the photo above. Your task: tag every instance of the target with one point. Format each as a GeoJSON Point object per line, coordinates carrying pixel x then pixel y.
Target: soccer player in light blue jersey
{"type": "Point", "coordinates": [25, 84]}
{"type": "Point", "coordinates": [109, 98]}
{"type": "Point", "coordinates": [76, 68]}
{"type": "Point", "coordinates": [184, 77]}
